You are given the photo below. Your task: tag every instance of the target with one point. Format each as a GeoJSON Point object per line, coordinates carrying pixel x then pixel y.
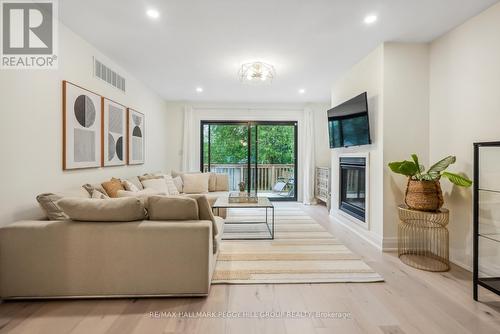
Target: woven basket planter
{"type": "Point", "coordinates": [424, 195]}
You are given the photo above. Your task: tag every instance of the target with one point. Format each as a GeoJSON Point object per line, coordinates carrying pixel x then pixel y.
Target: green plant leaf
{"type": "Point", "coordinates": [441, 165]}
{"type": "Point", "coordinates": [407, 168]}
{"type": "Point", "coordinates": [457, 179]}
{"type": "Point", "coordinates": [420, 169]}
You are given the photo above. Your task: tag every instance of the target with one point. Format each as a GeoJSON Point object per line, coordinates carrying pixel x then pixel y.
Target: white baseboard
{"type": "Point", "coordinates": [390, 244]}
{"type": "Point", "coordinates": [364, 234]}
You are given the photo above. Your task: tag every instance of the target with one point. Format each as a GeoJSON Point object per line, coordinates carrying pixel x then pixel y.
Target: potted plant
{"type": "Point", "coordinates": [423, 191]}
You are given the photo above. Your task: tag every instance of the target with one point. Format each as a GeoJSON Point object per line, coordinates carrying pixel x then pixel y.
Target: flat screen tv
{"type": "Point", "coordinates": [348, 123]}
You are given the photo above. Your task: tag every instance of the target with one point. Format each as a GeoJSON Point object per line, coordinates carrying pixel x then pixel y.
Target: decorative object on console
{"type": "Point", "coordinates": [81, 127]}
{"type": "Point", "coordinates": [114, 130]}
{"type": "Point", "coordinates": [241, 185]}
{"type": "Point", "coordinates": [135, 137]}
{"type": "Point", "coordinates": [423, 191]}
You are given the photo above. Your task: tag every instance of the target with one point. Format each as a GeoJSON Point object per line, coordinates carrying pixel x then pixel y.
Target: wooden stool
{"type": "Point", "coordinates": [423, 241]}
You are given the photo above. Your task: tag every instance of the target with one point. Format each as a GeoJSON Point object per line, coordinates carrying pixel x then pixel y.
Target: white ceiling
{"type": "Point", "coordinates": [202, 43]}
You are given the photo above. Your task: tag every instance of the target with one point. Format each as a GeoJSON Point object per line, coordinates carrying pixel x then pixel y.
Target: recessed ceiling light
{"type": "Point", "coordinates": [302, 91]}
{"type": "Point", "coordinates": [370, 19]}
{"type": "Point", "coordinates": [153, 13]}
{"type": "Point", "coordinates": [199, 89]}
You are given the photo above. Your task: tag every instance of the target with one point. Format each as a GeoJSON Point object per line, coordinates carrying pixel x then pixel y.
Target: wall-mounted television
{"type": "Point", "coordinates": [348, 123]}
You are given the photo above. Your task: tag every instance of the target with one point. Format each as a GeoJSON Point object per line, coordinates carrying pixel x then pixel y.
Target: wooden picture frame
{"type": "Point", "coordinates": [113, 133]}
{"type": "Point", "coordinates": [82, 131]}
{"type": "Point", "coordinates": [135, 137]}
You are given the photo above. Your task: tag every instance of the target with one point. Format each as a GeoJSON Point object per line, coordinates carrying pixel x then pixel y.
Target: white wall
{"type": "Point", "coordinates": [31, 127]}
{"type": "Point", "coordinates": [366, 76]}
{"type": "Point", "coordinates": [464, 108]}
{"type": "Point", "coordinates": [395, 76]}
{"type": "Point", "coordinates": [406, 122]}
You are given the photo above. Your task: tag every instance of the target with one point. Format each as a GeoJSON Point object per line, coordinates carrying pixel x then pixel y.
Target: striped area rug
{"type": "Point", "coordinates": [302, 252]}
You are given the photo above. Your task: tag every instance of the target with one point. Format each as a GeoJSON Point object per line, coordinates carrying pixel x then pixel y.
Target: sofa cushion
{"type": "Point", "coordinates": [195, 183]}
{"type": "Point", "coordinates": [103, 210]}
{"type": "Point", "coordinates": [112, 187]}
{"type": "Point", "coordinates": [143, 194]}
{"type": "Point", "coordinates": [48, 203]}
{"type": "Point", "coordinates": [222, 182]}
{"type": "Point", "coordinates": [157, 184]}
{"type": "Point", "coordinates": [212, 182]}
{"type": "Point", "coordinates": [172, 208]}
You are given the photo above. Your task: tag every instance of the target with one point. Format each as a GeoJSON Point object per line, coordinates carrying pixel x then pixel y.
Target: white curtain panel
{"type": "Point", "coordinates": [309, 158]}
{"type": "Point", "coordinates": [188, 140]}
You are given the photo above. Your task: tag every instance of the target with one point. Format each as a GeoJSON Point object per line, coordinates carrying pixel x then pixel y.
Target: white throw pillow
{"type": "Point", "coordinates": [96, 194]}
{"type": "Point", "coordinates": [129, 186]}
{"type": "Point", "coordinates": [172, 189]}
{"type": "Point", "coordinates": [156, 184]}
{"type": "Point", "coordinates": [178, 183]}
{"type": "Point", "coordinates": [195, 183]}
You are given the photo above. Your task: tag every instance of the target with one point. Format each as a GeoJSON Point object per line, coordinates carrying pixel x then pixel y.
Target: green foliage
{"type": "Point", "coordinates": [407, 168]}
{"type": "Point", "coordinates": [229, 144]}
{"type": "Point", "coordinates": [459, 180]}
{"type": "Point", "coordinates": [415, 171]}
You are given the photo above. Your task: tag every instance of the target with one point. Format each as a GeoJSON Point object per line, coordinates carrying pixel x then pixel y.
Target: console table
{"type": "Point", "coordinates": [423, 240]}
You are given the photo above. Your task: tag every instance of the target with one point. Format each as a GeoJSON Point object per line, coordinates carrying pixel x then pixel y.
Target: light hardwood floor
{"type": "Point", "coordinates": [409, 301]}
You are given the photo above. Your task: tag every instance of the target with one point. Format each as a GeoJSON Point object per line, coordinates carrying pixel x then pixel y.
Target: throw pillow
{"type": "Point", "coordinates": [222, 183]}
{"type": "Point", "coordinates": [98, 195]}
{"type": "Point", "coordinates": [172, 189]}
{"type": "Point", "coordinates": [212, 181]}
{"type": "Point", "coordinates": [135, 181]}
{"type": "Point", "coordinates": [128, 185]}
{"type": "Point", "coordinates": [172, 208]}
{"type": "Point", "coordinates": [91, 187]}
{"type": "Point", "coordinates": [48, 203]}
{"type": "Point", "coordinates": [149, 177]}
{"type": "Point", "coordinates": [158, 184]}
{"type": "Point", "coordinates": [178, 183]}
{"type": "Point", "coordinates": [103, 210]}
{"type": "Point", "coordinates": [195, 183]}
{"type": "Point", "coordinates": [112, 187]}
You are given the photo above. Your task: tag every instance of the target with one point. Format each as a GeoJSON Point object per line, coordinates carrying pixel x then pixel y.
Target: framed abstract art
{"type": "Point", "coordinates": [136, 139]}
{"type": "Point", "coordinates": [81, 127]}
{"type": "Point", "coordinates": [114, 133]}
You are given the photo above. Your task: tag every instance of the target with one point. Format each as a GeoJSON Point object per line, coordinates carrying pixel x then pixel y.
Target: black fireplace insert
{"type": "Point", "coordinates": [352, 187]}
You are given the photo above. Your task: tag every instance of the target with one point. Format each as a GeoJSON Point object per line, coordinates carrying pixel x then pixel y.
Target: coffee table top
{"type": "Point", "coordinates": [223, 202]}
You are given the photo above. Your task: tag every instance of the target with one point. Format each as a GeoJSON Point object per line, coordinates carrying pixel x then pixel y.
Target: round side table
{"type": "Point", "coordinates": [423, 241]}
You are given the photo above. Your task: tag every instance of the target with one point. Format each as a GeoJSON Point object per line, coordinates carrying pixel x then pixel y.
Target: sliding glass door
{"type": "Point", "coordinates": [260, 155]}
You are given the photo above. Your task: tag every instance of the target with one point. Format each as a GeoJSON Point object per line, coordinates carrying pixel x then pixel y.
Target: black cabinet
{"type": "Point", "coordinates": [486, 269]}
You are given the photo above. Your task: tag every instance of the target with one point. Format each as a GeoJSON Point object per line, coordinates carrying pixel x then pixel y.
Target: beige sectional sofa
{"type": "Point", "coordinates": [146, 257]}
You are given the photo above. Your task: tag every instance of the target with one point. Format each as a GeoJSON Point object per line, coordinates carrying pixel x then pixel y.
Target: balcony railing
{"type": "Point", "coordinates": [267, 175]}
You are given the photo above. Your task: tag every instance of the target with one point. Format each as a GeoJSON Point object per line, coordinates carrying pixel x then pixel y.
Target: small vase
{"type": "Point", "coordinates": [424, 195]}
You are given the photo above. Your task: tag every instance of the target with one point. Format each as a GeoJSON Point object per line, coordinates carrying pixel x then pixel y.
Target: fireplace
{"type": "Point", "coordinates": [352, 187]}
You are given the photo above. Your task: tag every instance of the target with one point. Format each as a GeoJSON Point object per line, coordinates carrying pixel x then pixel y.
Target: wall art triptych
{"type": "Point", "coordinates": [98, 131]}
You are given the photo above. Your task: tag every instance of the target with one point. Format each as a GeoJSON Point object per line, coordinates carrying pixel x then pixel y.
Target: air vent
{"type": "Point", "coordinates": [103, 72]}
